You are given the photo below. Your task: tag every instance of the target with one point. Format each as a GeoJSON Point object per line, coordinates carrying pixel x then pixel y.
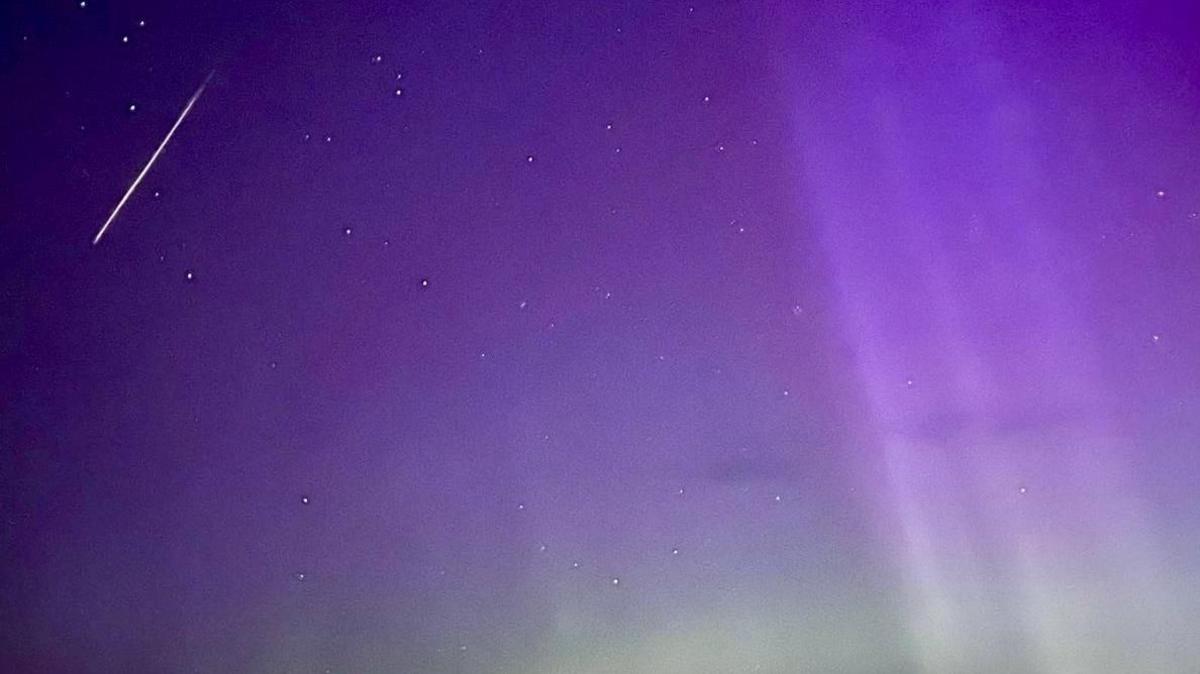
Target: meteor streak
{"type": "Point", "coordinates": [146, 169]}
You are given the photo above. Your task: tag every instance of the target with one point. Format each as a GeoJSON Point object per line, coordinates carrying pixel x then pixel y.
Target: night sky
{"type": "Point", "coordinates": [582, 338]}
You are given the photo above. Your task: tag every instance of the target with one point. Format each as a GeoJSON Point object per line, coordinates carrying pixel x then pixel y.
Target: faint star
{"type": "Point", "coordinates": [346, 231]}
{"type": "Point", "coordinates": [399, 91]}
{"type": "Point", "coordinates": [300, 576]}
{"type": "Point", "coordinates": [189, 276]}
{"type": "Point", "coordinates": [125, 38]}
{"type": "Point", "coordinates": [529, 159]}
{"type": "Point", "coordinates": [1160, 194]}
{"type": "Point", "coordinates": [616, 581]}
{"type": "Point", "coordinates": [424, 283]}
{"type": "Point", "coordinates": [304, 500]}
{"type": "Point", "coordinates": [1155, 338]}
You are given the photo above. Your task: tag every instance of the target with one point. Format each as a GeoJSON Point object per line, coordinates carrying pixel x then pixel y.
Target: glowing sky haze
{"type": "Point", "coordinates": [583, 338]}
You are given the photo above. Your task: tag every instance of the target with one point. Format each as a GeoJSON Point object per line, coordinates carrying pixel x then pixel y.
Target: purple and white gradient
{"type": "Point", "coordinates": [542, 338]}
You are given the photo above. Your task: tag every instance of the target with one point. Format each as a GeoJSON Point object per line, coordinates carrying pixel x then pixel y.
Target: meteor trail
{"type": "Point", "coordinates": [146, 169]}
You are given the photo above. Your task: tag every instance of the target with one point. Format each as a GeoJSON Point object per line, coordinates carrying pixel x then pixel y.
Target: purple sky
{"type": "Point", "coordinates": [592, 338]}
